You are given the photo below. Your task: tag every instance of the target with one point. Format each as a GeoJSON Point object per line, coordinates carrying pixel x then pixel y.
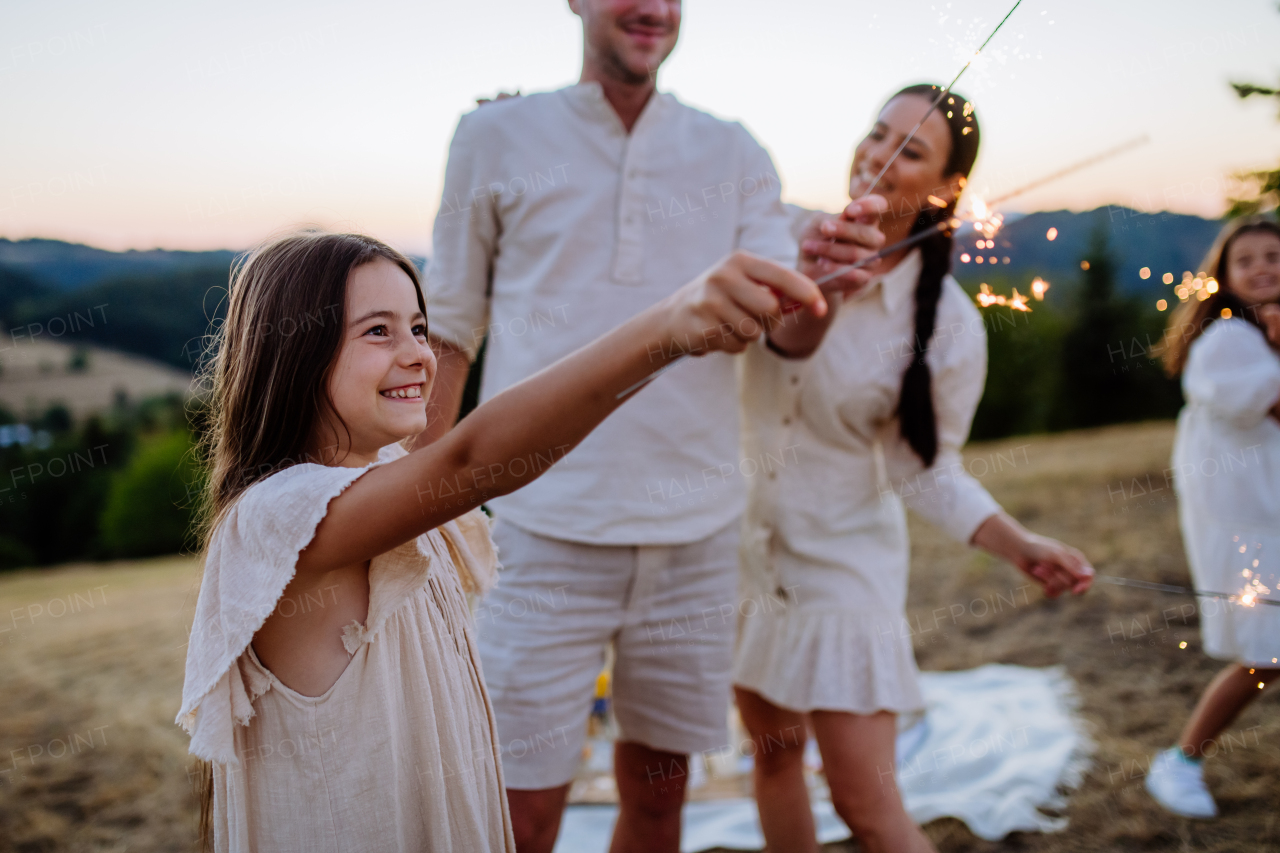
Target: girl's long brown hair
{"type": "Point", "coordinates": [1189, 321]}
{"type": "Point", "coordinates": [267, 375]}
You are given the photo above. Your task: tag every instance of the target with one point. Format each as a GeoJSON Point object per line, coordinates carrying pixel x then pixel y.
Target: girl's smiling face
{"type": "Point", "coordinates": [1253, 267]}
{"type": "Point", "coordinates": [384, 371]}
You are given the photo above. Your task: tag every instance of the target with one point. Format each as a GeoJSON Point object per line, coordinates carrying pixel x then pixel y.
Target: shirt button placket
{"type": "Point", "coordinates": [630, 249]}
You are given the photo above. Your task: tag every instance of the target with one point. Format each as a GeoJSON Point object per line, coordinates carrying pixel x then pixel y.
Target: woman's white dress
{"type": "Point", "coordinates": [824, 549]}
{"type": "Point", "coordinates": [1226, 468]}
{"type": "Point", "coordinates": [401, 754]}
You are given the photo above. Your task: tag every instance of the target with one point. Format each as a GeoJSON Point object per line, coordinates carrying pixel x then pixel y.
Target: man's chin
{"type": "Point", "coordinates": [638, 66]}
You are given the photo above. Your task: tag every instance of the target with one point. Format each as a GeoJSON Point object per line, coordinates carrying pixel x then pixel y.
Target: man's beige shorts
{"type": "Point", "coordinates": [670, 612]}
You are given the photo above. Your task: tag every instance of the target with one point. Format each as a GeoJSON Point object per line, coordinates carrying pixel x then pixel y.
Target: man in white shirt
{"type": "Point", "coordinates": [563, 214]}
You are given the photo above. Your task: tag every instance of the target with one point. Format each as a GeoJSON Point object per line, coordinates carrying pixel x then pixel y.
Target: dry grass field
{"type": "Point", "coordinates": [91, 663]}
{"type": "Point", "coordinates": [36, 374]}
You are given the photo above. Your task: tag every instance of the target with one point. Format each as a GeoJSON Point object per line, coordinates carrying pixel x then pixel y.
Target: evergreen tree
{"type": "Point", "coordinates": [1106, 357]}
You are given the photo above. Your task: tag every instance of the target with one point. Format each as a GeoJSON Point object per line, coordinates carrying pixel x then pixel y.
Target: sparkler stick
{"type": "Point", "coordinates": [792, 307]}
{"type": "Point", "coordinates": [1180, 590]}
{"type": "Point", "coordinates": [1136, 142]}
{"type": "Point", "coordinates": [950, 222]}
{"type": "Point", "coordinates": [937, 101]}
{"type": "Point", "coordinates": [1039, 182]}
{"type": "Point", "coordinates": [902, 244]}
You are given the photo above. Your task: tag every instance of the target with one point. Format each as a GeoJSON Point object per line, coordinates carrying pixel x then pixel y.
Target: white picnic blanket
{"type": "Point", "coordinates": [997, 744]}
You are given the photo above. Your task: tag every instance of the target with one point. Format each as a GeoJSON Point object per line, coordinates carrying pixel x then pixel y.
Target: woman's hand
{"type": "Point", "coordinates": [828, 243]}
{"type": "Point", "coordinates": [733, 304]}
{"type": "Point", "coordinates": [832, 241]}
{"type": "Point", "coordinates": [1055, 566]}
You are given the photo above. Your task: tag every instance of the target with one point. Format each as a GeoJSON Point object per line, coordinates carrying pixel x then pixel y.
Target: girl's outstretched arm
{"type": "Point", "coordinates": [512, 439]}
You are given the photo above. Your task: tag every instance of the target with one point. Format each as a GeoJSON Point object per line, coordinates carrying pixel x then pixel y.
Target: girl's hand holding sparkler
{"type": "Point", "coordinates": [733, 303]}
{"type": "Point", "coordinates": [1055, 566]}
{"type": "Point", "coordinates": [831, 243]}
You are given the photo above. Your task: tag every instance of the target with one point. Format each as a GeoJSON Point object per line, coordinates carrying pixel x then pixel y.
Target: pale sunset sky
{"type": "Point", "coordinates": [203, 125]}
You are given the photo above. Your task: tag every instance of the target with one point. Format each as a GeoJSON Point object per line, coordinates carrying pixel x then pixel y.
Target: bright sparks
{"type": "Point", "coordinates": [1144, 273]}
{"type": "Point", "coordinates": [1038, 288]}
{"type": "Point", "coordinates": [1051, 234]}
{"type": "Point", "coordinates": [986, 298]}
{"type": "Point", "coordinates": [1254, 589]}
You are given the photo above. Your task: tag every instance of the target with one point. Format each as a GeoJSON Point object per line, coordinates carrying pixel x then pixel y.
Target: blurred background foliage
{"type": "Point", "coordinates": [126, 483]}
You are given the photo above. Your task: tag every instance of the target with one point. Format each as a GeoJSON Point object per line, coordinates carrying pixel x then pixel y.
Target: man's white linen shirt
{"type": "Point", "coordinates": [555, 226]}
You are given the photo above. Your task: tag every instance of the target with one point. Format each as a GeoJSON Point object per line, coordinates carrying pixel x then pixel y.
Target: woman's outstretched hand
{"type": "Point", "coordinates": [1055, 566]}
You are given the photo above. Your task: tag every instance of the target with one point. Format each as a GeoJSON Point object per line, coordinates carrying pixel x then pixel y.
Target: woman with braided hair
{"type": "Point", "coordinates": [862, 412]}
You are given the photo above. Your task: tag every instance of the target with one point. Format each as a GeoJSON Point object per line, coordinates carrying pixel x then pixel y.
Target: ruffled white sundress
{"type": "Point", "coordinates": [822, 623]}
{"type": "Point", "coordinates": [401, 753]}
{"type": "Point", "coordinates": [1226, 460]}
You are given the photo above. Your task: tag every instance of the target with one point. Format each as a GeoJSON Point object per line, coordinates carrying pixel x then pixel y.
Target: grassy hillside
{"type": "Point", "coordinates": [38, 374]}
{"type": "Point", "coordinates": [107, 671]}
{"type": "Point", "coordinates": [161, 316]}
{"type": "Point", "coordinates": [70, 266]}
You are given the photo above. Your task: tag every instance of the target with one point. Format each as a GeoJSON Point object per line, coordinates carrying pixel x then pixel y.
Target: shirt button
{"type": "Point", "coordinates": [786, 421]}
{"type": "Point", "coordinates": [634, 173]}
{"type": "Point", "coordinates": [795, 380]}
{"type": "Point", "coordinates": [773, 475]}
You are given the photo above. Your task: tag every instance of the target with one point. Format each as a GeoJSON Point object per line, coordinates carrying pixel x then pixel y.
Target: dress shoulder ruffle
{"type": "Point", "coordinates": [251, 559]}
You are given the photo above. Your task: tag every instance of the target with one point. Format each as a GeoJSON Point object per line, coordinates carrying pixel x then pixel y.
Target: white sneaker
{"type": "Point", "coordinates": [1177, 783]}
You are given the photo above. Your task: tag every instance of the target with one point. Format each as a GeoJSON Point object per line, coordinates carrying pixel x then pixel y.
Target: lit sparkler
{"type": "Point", "coordinates": [987, 298]}
{"type": "Point", "coordinates": [1249, 598]}
{"type": "Point", "coordinates": [946, 91]}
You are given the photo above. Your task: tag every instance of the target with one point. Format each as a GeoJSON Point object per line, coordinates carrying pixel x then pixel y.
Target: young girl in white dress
{"type": "Point", "coordinates": [881, 406]}
{"type": "Point", "coordinates": [1226, 461]}
{"type": "Point", "coordinates": [332, 677]}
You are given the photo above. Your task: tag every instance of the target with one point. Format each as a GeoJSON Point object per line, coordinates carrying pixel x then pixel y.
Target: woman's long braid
{"type": "Point", "coordinates": [916, 417]}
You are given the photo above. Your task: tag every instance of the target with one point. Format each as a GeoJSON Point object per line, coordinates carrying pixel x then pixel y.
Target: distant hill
{"type": "Point", "coordinates": [37, 374]}
{"type": "Point", "coordinates": [1165, 242]}
{"type": "Point", "coordinates": [68, 266]}
{"type": "Point", "coordinates": [160, 315]}
{"type": "Point", "coordinates": [19, 288]}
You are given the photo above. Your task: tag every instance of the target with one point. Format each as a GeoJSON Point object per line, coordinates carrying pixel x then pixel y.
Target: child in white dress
{"type": "Point", "coordinates": [1226, 461]}
{"type": "Point", "coordinates": [333, 682]}
{"type": "Point", "coordinates": [879, 410]}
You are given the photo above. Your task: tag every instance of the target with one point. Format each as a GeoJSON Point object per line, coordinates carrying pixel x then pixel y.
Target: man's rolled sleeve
{"type": "Point", "coordinates": [464, 240]}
